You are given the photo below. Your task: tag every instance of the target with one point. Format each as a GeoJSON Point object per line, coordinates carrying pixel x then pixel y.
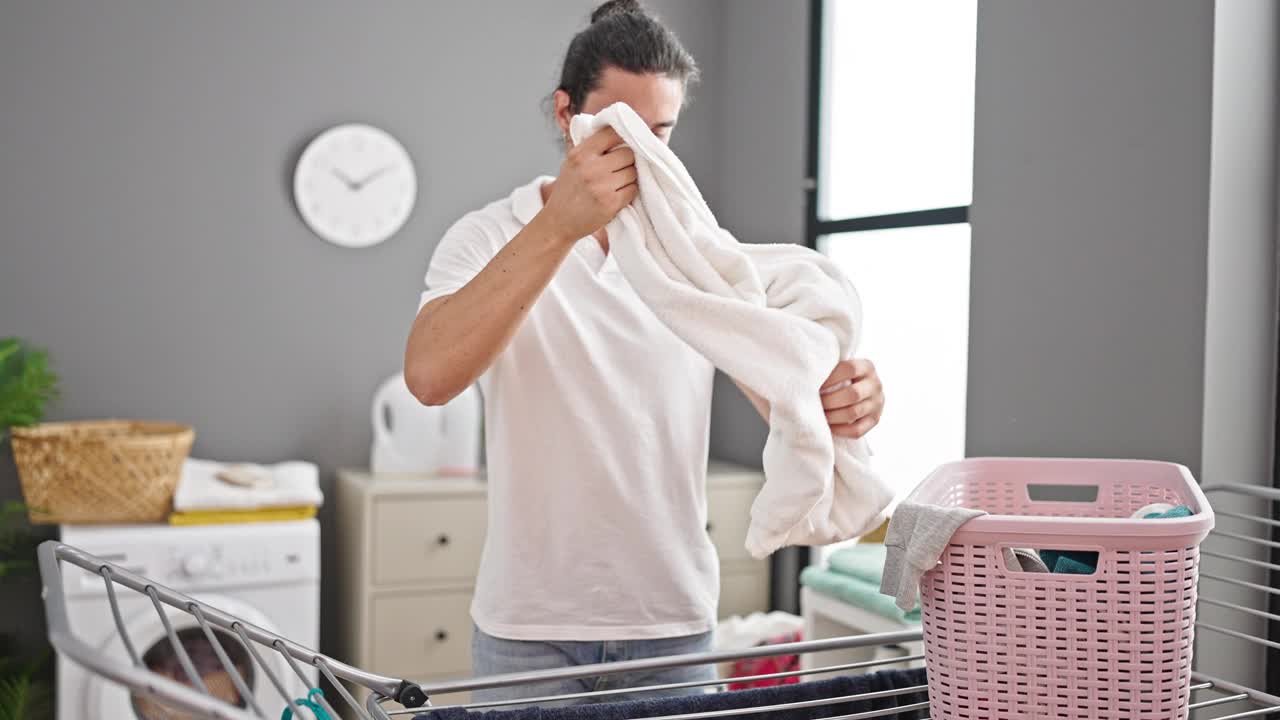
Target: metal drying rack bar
{"type": "Point", "coordinates": [1210, 694]}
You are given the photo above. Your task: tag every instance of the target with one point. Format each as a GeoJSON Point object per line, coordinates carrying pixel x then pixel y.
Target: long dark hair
{"type": "Point", "coordinates": [624, 35]}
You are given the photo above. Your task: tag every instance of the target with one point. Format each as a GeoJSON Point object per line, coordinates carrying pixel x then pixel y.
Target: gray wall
{"type": "Point", "coordinates": [1240, 325]}
{"type": "Point", "coordinates": [1090, 217]}
{"type": "Point", "coordinates": [761, 164]}
{"type": "Point", "coordinates": [149, 237]}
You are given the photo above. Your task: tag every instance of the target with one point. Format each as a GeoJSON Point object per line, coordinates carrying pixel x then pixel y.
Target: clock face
{"type": "Point", "coordinates": [355, 185]}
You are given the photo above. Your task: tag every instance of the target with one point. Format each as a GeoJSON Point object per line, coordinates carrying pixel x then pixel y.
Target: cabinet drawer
{"type": "Point", "coordinates": [419, 539]}
{"type": "Point", "coordinates": [422, 633]}
{"type": "Point", "coordinates": [728, 515]}
{"type": "Point", "coordinates": [744, 591]}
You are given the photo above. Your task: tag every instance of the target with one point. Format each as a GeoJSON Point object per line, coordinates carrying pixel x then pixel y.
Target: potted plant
{"type": "Point", "coordinates": [24, 688]}
{"type": "Point", "coordinates": [27, 385]}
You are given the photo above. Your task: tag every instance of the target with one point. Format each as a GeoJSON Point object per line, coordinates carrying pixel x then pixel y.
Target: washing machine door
{"type": "Point", "coordinates": [106, 699]}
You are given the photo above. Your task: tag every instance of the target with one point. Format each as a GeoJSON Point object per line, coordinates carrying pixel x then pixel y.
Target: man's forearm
{"type": "Point", "coordinates": [457, 337]}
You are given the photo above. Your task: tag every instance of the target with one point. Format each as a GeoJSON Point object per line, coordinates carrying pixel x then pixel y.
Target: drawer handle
{"type": "Point", "coordinates": [709, 527]}
{"type": "Point", "coordinates": [441, 636]}
{"type": "Point", "coordinates": [442, 540]}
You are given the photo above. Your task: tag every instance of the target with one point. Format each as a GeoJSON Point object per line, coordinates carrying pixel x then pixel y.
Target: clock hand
{"type": "Point", "coordinates": [371, 177]}
{"type": "Point", "coordinates": [351, 184]}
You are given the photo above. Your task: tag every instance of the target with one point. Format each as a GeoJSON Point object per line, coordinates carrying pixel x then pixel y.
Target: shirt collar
{"type": "Point", "coordinates": [526, 200]}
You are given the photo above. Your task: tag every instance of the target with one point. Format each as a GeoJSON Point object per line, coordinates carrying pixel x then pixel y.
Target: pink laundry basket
{"type": "Point", "coordinates": [1002, 644]}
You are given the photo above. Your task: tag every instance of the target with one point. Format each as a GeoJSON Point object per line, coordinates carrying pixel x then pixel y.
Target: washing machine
{"type": "Point", "coordinates": [267, 574]}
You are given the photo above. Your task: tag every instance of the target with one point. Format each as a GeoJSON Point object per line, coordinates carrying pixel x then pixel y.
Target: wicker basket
{"type": "Point", "coordinates": [101, 471]}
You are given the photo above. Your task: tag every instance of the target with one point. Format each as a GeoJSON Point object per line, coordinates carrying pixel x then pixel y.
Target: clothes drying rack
{"type": "Point", "coordinates": [1233, 557]}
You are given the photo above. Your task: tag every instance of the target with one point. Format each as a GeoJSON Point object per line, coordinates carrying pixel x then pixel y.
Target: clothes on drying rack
{"type": "Point", "coordinates": [885, 680]}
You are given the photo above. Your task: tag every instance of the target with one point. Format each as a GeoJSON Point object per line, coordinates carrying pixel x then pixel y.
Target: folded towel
{"type": "Point", "coordinates": [1070, 562]}
{"type": "Point", "coordinates": [876, 535]}
{"type": "Point", "coordinates": [222, 517]}
{"type": "Point", "coordinates": [776, 318]}
{"type": "Point", "coordinates": [857, 592]}
{"type": "Point", "coordinates": [292, 484]}
{"type": "Point", "coordinates": [727, 702]}
{"type": "Point", "coordinates": [917, 536]}
{"type": "Point", "coordinates": [1179, 511]}
{"type": "Point", "coordinates": [864, 562]}
{"type": "Point", "coordinates": [1152, 509]}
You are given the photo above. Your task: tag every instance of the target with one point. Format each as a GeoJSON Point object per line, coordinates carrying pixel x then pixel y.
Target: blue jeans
{"type": "Point", "coordinates": [495, 656]}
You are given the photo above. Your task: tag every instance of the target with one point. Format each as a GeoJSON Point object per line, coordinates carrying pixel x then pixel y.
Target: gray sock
{"type": "Point", "coordinates": [915, 540]}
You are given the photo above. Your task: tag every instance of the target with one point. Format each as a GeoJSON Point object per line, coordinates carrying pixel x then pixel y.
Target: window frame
{"type": "Point", "coordinates": [817, 226]}
{"type": "Point", "coordinates": [787, 564]}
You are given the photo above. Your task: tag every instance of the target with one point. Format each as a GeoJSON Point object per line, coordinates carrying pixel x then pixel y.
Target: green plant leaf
{"type": "Point", "coordinates": [8, 347]}
{"type": "Point", "coordinates": [27, 384]}
{"type": "Point", "coordinates": [18, 542]}
{"type": "Point", "coordinates": [23, 693]}
{"type": "Point", "coordinates": [22, 697]}
{"type": "Point", "coordinates": [14, 695]}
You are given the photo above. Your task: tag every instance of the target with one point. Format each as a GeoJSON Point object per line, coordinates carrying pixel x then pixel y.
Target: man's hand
{"type": "Point", "coordinates": [853, 398]}
{"type": "Point", "coordinates": [597, 179]}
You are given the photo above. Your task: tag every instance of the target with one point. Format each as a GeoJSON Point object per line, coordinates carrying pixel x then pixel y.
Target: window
{"type": "Point", "coordinates": [891, 181]}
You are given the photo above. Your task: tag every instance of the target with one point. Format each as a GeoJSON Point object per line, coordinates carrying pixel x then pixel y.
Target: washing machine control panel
{"type": "Point", "coordinates": [219, 562]}
{"type": "Point", "coordinates": [205, 558]}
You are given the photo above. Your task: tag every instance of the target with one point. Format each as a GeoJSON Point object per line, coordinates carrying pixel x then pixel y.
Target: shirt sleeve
{"type": "Point", "coordinates": [462, 253]}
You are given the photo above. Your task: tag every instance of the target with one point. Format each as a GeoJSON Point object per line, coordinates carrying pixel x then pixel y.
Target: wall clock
{"type": "Point", "coordinates": [355, 185]}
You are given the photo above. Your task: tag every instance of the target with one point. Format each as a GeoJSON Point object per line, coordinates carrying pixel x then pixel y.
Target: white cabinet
{"type": "Point", "coordinates": [408, 548]}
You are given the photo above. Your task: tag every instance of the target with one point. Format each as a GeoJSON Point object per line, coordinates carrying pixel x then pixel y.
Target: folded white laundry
{"type": "Point", "coordinates": [775, 317]}
{"type": "Point", "coordinates": [1152, 509]}
{"type": "Point", "coordinates": [739, 633]}
{"type": "Point", "coordinates": [292, 484]}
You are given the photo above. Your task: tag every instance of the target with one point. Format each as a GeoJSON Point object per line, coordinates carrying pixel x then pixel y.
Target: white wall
{"type": "Point", "coordinates": [1240, 337]}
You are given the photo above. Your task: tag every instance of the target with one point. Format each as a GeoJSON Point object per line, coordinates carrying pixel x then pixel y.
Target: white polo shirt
{"type": "Point", "coordinates": [597, 422]}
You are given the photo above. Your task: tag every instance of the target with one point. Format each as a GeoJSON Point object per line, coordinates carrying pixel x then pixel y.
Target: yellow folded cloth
{"type": "Point", "coordinates": [218, 517]}
{"type": "Point", "coordinates": [877, 535]}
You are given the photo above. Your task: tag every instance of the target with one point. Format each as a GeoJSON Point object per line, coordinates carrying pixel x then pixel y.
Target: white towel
{"type": "Point", "coordinates": [292, 484]}
{"type": "Point", "coordinates": [776, 318]}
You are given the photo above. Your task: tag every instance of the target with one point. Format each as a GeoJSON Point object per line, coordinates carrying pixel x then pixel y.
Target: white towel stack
{"type": "Point", "coordinates": [286, 484]}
